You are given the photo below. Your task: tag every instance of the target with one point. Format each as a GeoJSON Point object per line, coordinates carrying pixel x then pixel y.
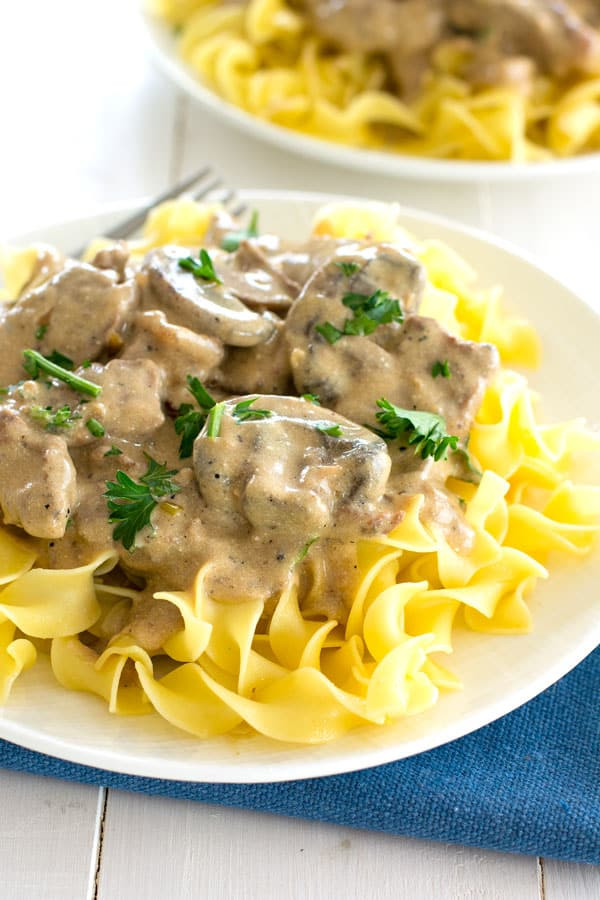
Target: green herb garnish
{"type": "Point", "coordinates": [86, 364]}
{"type": "Point", "coordinates": [36, 363]}
{"type": "Point", "coordinates": [190, 421]}
{"type": "Point", "coordinates": [204, 269]}
{"type": "Point", "coordinates": [59, 359]}
{"type": "Point", "coordinates": [232, 239]}
{"type": "Point", "coordinates": [95, 428]}
{"type": "Point", "coordinates": [131, 503]}
{"type": "Point", "coordinates": [369, 311]}
{"type": "Point", "coordinates": [40, 332]}
{"type": "Point", "coordinates": [243, 413]}
{"type": "Point", "coordinates": [114, 451]}
{"type": "Point", "coordinates": [424, 431]}
{"type": "Point", "coordinates": [213, 422]}
{"type": "Point", "coordinates": [312, 398]}
{"type": "Point", "coordinates": [331, 430]}
{"type": "Point", "coordinates": [304, 552]}
{"type": "Point", "coordinates": [441, 368]}
{"type": "Point", "coordinates": [348, 268]}
{"type": "Point", "coordinates": [63, 417]}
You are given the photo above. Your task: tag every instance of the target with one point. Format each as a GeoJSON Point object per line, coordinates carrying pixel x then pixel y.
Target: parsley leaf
{"type": "Point", "coordinates": [329, 332]}
{"type": "Point", "coordinates": [114, 451]}
{"type": "Point", "coordinates": [330, 429]}
{"type": "Point", "coordinates": [40, 332]}
{"type": "Point", "coordinates": [232, 239]}
{"type": "Point", "coordinates": [60, 359]}
{"type": "Point", "coordinates": [63, 417]}
{"type": "Point", "coordinates": [199, 392]}
{"type": "Point", "coordinates": [34, 363]}
{"type": "Point", "coordinates": [369, 311]}
{"type": "Point", "coordinates": [190, 421]}
{"type": "Point", "coordinates": [312, 398]}
{"type": "Point", "coordinates": [441, 368]}
{"type": "Point", "coordinates": [95, 428]}
{"type": "Point", "coordinates": [204, 269]}
{"type": "Point", "coordinates": [188, 424]}
{"type": "Point", "coordinates": [243, 413]}
{"type": "Point", "coordinates": [348, 268]}
{"type": "Point", "coordinates": [304, 551]}
{"type": "Point", "coordinates": [424, 431]}
{"type": "Point", "coordinates": [131, 503]}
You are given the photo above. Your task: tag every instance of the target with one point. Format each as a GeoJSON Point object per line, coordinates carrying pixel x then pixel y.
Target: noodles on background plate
{"type": "Point", "coordinates": [265, 57]}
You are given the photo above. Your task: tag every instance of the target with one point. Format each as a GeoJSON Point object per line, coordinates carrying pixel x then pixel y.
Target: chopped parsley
{"type": "Point", "coordinates": [40, 332]}
{"type": "Point", "coordinates": [424, 431]}
{"type": "Point", "coordinates": [86, 364]}
{"type": "Point", "coordinates": [63, 417]}
{"type": "Point", "coordinates": [34, 363]}
{"type": "Point", "coordinates": [369, 311]}
{"type": "Point", "coordinates": [331, 430]}
{"type": "Point", "coordinates": [59, 359]}
{"type": "Point", "coordinates": [304, 552]}
{"type": "Point", "coordinates": [114, 451]}
{"type": "Point", "coordinates": [441, 368]}
{"type": "Point", "coordinates": [213, 422]}
{"type": "Point", "coordinates": [232, 239]}
{"type": "Point", "coordinates": [312, 398]}
{"type": "Point", "coordinates": [190, 421]}
{"type": "Point", "coordinates": [203, 269]}
{"type": "Point", "coordinates": [95, 428]}
{"type": "Point", "coordinates": [131, 503]}
{"type": "Point", "coordinates": [348, 268]}
{"type": "Point", "coordinates": [243, 413]}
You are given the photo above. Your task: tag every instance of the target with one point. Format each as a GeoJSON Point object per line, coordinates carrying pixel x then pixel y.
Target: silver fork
{"type": "Point", "coordinates": [205, 183]}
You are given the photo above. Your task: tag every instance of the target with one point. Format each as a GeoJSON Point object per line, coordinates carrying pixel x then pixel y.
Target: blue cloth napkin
{"type": "Point", "coordinates": [528, 783]}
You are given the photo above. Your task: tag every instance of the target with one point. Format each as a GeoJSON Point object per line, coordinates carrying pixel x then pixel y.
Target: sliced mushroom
{"type": "Point", "coordinates": [203, 306]}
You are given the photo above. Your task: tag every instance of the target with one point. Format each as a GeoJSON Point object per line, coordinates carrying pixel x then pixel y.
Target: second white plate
{"type": "Point", "coordinates": [164, 49]}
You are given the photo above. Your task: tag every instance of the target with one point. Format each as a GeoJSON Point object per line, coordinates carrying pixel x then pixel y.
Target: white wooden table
{"type": "Point", "coordinates": [87, 121]}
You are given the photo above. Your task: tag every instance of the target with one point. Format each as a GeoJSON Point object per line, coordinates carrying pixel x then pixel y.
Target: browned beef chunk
{"type": "Point", "coordinates": [177, 351]}
{"type": "Point", "coordinates": [286, 472]}
{"type": "Point", "coordinates": [82, 311]}
{"type": "Point", "coordinates": [38, 490]}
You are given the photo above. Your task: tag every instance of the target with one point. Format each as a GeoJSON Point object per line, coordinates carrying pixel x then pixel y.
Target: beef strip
{"type": "Point", "coordinates": [178, 352]}
{"type": "Point", "coordinates": [81, 310]}
{"type": "Point", "coordinates": [38, 486]}
{"type": "Point", "coordinates": [115, 257]}
{"type": "Point", "coordinates": [264, 369]}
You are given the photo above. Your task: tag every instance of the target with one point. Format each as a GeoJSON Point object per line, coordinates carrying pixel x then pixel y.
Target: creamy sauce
{"type": "Point", "coordinates": [500, 41]}
{"type": "Point", "coordinates": [283, 485]}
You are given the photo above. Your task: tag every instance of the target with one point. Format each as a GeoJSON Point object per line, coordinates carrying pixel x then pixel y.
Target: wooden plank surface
{"type": "Point", "coordinates": [570, 881]}
{"type": "Point", "coordinates": [217, 853]}
{"type": "Point", "coordinates": [48, 838]}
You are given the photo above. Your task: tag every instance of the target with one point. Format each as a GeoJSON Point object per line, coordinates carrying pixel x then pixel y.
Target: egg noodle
{"type": "Point", "coordinates": [263, 57]}
{"type": "Point", "coordinates": [296, 679]}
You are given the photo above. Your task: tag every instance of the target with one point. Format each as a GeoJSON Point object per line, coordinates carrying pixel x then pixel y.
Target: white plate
{"type": "Point", "coordinates": [164, 49]}
{"type": "Point", "coordinates": [499, 673]}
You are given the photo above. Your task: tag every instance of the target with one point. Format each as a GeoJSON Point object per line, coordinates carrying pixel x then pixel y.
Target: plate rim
{"type": "Point", "coordinates": [152, 766]}
{"type": "Point", "coordinates": [379, 162]}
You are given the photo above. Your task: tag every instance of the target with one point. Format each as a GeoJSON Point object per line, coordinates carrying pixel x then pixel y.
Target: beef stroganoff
{"type": "Point", "coordinates": [455, 79]}
{"type": "Point", "coordinates": [248, 481]}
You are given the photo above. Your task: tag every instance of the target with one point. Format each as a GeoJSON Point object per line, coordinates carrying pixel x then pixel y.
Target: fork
{"type": "Point", "coordinates": [204, 180]}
